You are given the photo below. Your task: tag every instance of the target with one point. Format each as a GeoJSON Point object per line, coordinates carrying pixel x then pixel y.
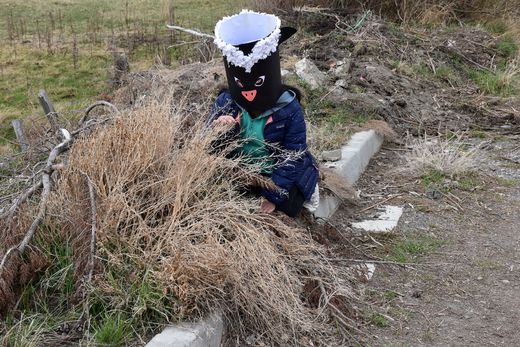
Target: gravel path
{"type": "Point", "coordinates": [466, 292]}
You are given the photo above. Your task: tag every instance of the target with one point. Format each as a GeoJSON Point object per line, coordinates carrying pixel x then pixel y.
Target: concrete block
{"type": "Point", "coordinates": [355, 156]}
{"type": "Point", "coordinates": [385, 222]}
{"type": "Point", "coordinates": [328, 205]}
{"type": "Point", "coordinates": [204, 333]}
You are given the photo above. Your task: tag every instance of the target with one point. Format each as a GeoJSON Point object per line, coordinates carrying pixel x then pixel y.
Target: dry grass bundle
{"type": "Point", "coordinates": [381, 128]}
{"type": "Point", "coordinates": [440, 154]}
{"type": "Point", "coordinates": [178, 238]}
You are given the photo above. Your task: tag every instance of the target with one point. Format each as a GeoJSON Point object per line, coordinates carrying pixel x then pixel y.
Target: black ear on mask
{"type": "Point", "coordinates": [285, 33]}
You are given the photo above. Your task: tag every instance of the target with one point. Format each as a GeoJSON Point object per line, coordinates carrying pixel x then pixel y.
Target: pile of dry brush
{"type": "Point", "coordinates": [404, 11]}
{"type": "Point", "coordinates": [144, 194]}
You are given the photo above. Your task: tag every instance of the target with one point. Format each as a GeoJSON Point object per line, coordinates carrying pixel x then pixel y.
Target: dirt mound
{"type": "Point", "coordinates": [415, 80]}
{"type": "Point", "coordinates": [192, 85]}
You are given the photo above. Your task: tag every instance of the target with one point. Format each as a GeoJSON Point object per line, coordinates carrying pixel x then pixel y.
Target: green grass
{"type": "Point", "coordinates": [330, 124]}
{"type": "Point", "coordinates": [390, 295]}
{"type": "Point", "coordinates": [137, 27]}
{"type": "Point", "coordinates": [501, 83]}
{"type": "Point", "coordinates": [498, 26]}
{"type": "Point", "coordinates": [448, 74]}
{"type": "Point", "coordinates": [480, 134]}
{"type": "Point", "coordinates": [468, 182]}
{"type": "Point", "coordinates": [24, 331]}
{"type": "Point", "coordinates": [378, 320]}
{"type": "Point", "coordinates": [433, 178]}
{"type": "Point", "coordinates": [506, 182]}
{"type": "Point", "coordinates": [443, 73]}
{"type": "Point", "coordinates": [507, 46]}
{"type": "Point", "coordinates": [410, 248]}
{"type": "Point", "coordinates": [111, 330]}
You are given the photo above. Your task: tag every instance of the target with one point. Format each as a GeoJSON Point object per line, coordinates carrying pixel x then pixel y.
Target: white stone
{"type": "Point", "coordinates": [308, 72]}
{"type": "Point", "coordinates": [286, 73]}
{"type": "Point", "coordinates": [341, 84]}
{"type": "Point", "coordinates": [371, 268]}
{"type": "Point", "coordinates": [385, 222]}
{"type": "Point", "coordinates": [204, 333]}
{"type": "Point", "coordinates": [342, 68]}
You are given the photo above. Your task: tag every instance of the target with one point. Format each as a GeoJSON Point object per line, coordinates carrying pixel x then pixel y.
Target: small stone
{"type": "Point", "coordinates": [310, 74]}
{"type": "Point", "coordinates": [342, 68]}
{"type": "Point", "coordinates": [250, 340]}
{"type": "Point", "coordinates": [400, 103]}
{"type": "Point", "coordinates": [333, 155]}
{"type": "Point", "coordinates": [341, 84]}
{"type": "Point", "coordinates": [286, 73]}
{"type": "Point", "coordinates": [505, 281]}
{"type": "Point", "coordinates": [417, 294]}
{"type": "Point", "coordinates": [433, 193]}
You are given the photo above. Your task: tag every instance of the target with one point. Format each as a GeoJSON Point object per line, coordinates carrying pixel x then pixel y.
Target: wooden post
{"type": "Point", "coordinates": [48, 109]}
{"type": "Point", "coordinates": [20, 137]}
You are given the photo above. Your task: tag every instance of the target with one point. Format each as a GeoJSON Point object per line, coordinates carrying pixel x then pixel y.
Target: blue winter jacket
{"type": "Point", "coordinates": [286, 130]}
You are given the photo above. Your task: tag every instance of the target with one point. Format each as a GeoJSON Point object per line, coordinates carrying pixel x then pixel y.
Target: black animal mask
{"type": "Point", "coordinates": [249, 42]}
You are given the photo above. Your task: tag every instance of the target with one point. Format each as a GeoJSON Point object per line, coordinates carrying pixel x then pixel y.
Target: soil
{"type": "Point", "coordinates": [465, 292]}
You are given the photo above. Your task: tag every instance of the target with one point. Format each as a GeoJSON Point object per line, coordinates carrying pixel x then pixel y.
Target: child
{"type": "Point", "coordinates": [265, 114]}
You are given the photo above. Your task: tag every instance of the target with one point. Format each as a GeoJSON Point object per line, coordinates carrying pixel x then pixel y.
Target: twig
{"type": "Point", "coordinates": [190, 31]}
{"type": "Point", "coordinates": [432, 64]}
{"type": "Point", "coordinates": [91, 264]}
{"type": "Point", "coordinates": [183, 43]}
{"type": "Point", "coordinates": [388, 262]}
{"type": "Point", "coordinates": [92, 194]}
{"type": "Point", "coordinates": [380, 202]}
{"type": "Point", "coordinates": [46, 183]}
{"type": "Point", "coordinates": [457, 205]}
{"type": "Point", "coordinates": [97, 104]}
{"type": "Point", "coordinates": [471, 61]}
{"type": "Point", "coordinates": [46, 178]}
{"type": "Point", "coordinates": [88, 124]}
{"type": "Point", "coordinates": [336, 312]}
{"type": "Point", "coordinates": [21, 199]}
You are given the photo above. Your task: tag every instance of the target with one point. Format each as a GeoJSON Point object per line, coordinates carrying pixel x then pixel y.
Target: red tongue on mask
{"type": "Point", "coordinates": [249, 94]}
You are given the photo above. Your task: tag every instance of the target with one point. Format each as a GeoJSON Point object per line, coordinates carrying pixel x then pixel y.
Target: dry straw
{"type": "Point", "coordinates": [169, 208]}
{"type": "Point", "coordinates": [447, 155]}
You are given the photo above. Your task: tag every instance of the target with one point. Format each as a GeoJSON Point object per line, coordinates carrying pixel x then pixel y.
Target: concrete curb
{"type": "Point", "coordinates": [355, 156]}
{"type": "Point", "coordinates": [204, 333]}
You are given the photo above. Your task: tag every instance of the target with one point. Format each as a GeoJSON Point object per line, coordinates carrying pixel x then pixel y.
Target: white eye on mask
{"type": "Point", "coordinates": [260, 81]}
{"type": "Point", "coordinates": [237, 81]}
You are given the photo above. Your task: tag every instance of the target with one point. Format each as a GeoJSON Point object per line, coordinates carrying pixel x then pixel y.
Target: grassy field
{"type": "Point", "coordinates": [66, 46]}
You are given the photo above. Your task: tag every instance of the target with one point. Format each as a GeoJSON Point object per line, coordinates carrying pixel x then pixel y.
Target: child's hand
{"type": "Point", "coordinates": [267, 206]}
{"type": "Point", "coordinates": [224, 120]}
